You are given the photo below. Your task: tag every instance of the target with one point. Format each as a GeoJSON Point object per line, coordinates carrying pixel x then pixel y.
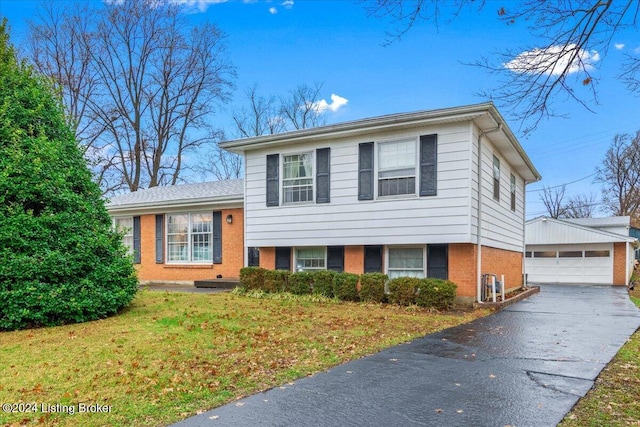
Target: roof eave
{"type": "Point", "coordinates": [201, 202]}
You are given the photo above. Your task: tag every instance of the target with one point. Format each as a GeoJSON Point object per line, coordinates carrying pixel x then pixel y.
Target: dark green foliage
{"type": "Point", "coordinates": [252, 277]}
{"type": "Point", "coordinates": [323, 282]}
{"type": "Point", "coordinates": [276, 280]}
{"type": "Point", "coordinates": [60, 262]}
{"type": "Point", "coordinates": [402, 290]}
{"type": "Point", "coordinates": [300, 283]}
{"type": "Point", "coordinates": [436, 293]}
{"type": "Point", "coordinates": [372, 287]}
{"type": "Point", "coordinates": [345, 286]}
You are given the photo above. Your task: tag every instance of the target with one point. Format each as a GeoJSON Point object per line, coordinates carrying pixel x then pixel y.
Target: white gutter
{"type": "Point", "coordinates": [479, 232]}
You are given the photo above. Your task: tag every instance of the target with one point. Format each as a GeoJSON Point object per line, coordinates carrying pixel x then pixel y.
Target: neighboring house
{"type": "Point", "coordinates": [400, 194]}
{"type": "Point", "coordinates": [183, 233]}
{"type": "Point", "coordinates": [580, 250]}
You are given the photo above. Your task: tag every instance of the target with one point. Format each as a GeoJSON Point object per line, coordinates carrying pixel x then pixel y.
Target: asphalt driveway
{"type": "Point", "coordinates": [524, 366]}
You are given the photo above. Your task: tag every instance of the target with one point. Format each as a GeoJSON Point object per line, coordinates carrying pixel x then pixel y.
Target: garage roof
{"type": "Point", "coordinates": [551, 231]}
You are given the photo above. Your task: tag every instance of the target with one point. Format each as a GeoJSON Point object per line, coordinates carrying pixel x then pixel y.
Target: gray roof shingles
{"type": "Point", "coordinates": [186, 192]}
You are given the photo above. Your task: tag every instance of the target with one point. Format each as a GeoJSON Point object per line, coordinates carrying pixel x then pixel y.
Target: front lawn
{"type": "Point", "coordinates": [171, 355]}
{"type": "Point", "coordinates": [614, 400]}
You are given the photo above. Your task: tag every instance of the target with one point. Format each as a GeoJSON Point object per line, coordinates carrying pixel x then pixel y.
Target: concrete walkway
{"type": "Point", "coordinates": [524, 366]}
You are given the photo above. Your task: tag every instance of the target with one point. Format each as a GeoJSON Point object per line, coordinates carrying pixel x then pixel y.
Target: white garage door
{"type": "Point", "coordinates": [570, 264]}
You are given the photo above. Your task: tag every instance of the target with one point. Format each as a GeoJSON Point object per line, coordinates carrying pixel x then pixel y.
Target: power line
{"type": "Point", "coordinates": [561, 185]}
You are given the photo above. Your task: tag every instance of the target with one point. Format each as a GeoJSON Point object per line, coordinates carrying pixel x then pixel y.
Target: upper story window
{"type": "Point", "coordinates": [401, 167]}
{"type": "Point", "coordinates": [190, 237]}
{"type": "Point", "coordinates": [513, 192]}
{"type": "Point", "coordinates": [396, 168]}
{"type": "Point", "coordinates": [125, 225]}
{"type": "Point", "coordinates": [297, 179]}
{"type": "Point", "coordinates": [496, 178]}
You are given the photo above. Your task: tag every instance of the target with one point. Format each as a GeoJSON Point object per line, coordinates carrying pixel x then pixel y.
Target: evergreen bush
{"type": "Point", "coordinates": [300, 283]}
{"type": "Point", "coordinates": [345, 286]}
{"type": "Point", "coordinates": [252, 277]}
{"type": "Point", "coordinates": [323, 282]}
{"type": "Point", "coordinates": [276, 280]}
{"type": "Point", "coordinates": [60, 260]}
{"type": "Point", "coordinates": [402, 290]}
{"type": "Point", "coordinates": [436, 293]}
{"type": "Point", "coordinates": [372, 287]}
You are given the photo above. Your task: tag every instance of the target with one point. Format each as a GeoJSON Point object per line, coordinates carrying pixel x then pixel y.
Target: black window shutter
{"type": "Point", "coordinates": [273, 167]}
{"type": "Point", "coordinates": [373, 259]}
{"type": "Point", "coordinates": [217, 237]}
{"type": "Point", "coordinates": [159, 239]}
{"type": "Point", "coordinates": [428, 165]}
{"type": "Point", "coordinates": [283, 258]}
{"type": "Point", "coordinates": [438, 261]}
{"type": "Point", "coordinates": [365, 171]}
{"type": "Point", "coordinates": [335, 258]}
{"type": "Point", "coordinates": [323, 161]}
{"type": "Point", "coordinates": [136, 239]}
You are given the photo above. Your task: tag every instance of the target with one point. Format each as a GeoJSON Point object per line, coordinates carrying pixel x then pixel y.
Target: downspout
{"type": "Point", "coordinates": [479, 231]}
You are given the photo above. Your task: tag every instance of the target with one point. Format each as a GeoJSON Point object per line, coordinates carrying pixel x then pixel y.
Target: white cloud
{"type": "Point", "coordinates": [201, 5]}
{"type": "Point", "coordinates": [273, 10]}
{"type": "Point", "coordinates": [288, 4]}
{"type": "Point", "coordinates": [336, 103]}
{"type": "Point", "coordinates": [619, 46]}
{"type": "Point", "coordinates": [553, 60]}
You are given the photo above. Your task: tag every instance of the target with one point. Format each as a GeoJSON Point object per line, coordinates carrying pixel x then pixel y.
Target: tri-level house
{"type": "Point", "coordinates": [437, 193]}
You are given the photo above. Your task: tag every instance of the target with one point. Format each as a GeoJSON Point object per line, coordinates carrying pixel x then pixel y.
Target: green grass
{"type": "Point", "coordinates": [614, 399]}
{"type": "Point", "coordinates": [172, 355]}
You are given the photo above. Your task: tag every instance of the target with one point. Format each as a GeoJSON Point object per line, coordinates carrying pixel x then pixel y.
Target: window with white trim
{"type": "Point", "coordinates": [297, 178]}
{"type": "Point", "coordinates": [190, 237]}
{"type": "Point", "coordinates": [125, 225]}
{"type": "Point", "coordinates": [403, 262]}
{"type": "Point", "coordinates": [496, 178]}
{"type": "Point", "coordinates": [513, 192]}
{"type": "Point", "coordinates": [309, 259]}
{"type": "Point", "coordinates": [396, 168]}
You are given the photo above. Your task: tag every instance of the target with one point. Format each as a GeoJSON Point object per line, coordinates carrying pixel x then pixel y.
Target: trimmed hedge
{"type": "Point", "coordinates": [252, 277]}
{"type": "Point", "coordinates": [372, 287]}
{"type": "Point", "coordinates": [402, 290]}
{"type": "Point", "coordinates": [323, 282]}
{"type": "Point", "coordinates": [300, 283]}
{"type": "Point", "coordinates": [276, 280]}
{"type": "Point", "coordinates": [436, 293]}
{"type": "Point", "coordinates": [345, 286]}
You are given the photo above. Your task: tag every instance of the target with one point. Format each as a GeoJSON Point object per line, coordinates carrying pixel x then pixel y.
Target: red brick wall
{"type": "Point", "coordinates": [619, 263]}
{"type": "Point", "coordinates": [268, 258]}
{"type": "Point", "coordinates": [462, 268]}
{"type": "Point", "coordinates": [354, 259]}
{"type": "Point", "coordinates": [232, 253]}
{"type": "Point", "coordinates": [500, 261]}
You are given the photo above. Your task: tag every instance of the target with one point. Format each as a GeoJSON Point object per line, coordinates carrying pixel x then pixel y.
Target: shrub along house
{"type": "Point", "coordinates": [183, 233]}
{"type": "Point", "coordinates": [401, 194]}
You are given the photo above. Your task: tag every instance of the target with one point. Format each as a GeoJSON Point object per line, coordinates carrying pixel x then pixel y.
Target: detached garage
{"type": "Point", "coordinates": [569, 251]}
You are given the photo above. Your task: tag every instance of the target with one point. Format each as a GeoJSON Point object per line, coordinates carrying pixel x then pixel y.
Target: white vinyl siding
{"type": "Point", "coordinates": [190, 238]}
{"type": "Point", "coordinates": [502, 227]}
{"type": "Point", "coordinates": [348, 221]}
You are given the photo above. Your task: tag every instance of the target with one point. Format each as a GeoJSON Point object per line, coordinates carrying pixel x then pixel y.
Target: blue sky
{"type": "Point", "coordinates": [280, 44]}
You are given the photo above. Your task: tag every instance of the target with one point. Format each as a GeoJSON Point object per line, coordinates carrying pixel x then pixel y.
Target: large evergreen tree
{"type": "Point", "coordinates": [60, 261]}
